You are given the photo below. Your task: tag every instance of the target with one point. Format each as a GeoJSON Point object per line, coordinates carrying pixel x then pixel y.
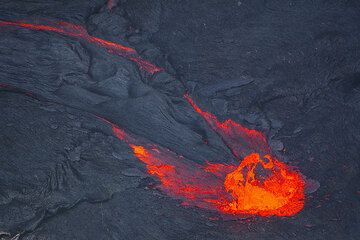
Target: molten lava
{"type": "Point", "coordinates": [260, 184]}
{"type": "Point", "coordinates": [74, 30]}
{"type": "Point", "coordinates": [240, 140]}
{"type": "Point", "coordinates": [280, 193]}
{"type": "Point", "coordinates": [274, 189]}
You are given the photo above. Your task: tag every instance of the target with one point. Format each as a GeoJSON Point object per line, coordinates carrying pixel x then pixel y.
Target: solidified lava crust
{"type": "Point", "coordinates": [281, 193]}
{"type": "Point", "coordinates": [179, 120]}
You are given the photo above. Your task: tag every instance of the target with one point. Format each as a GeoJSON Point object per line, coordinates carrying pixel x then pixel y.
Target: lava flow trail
{"type": "Point", "coordinates": [74, 30]}
{"type": "Point", "coordinates": [260, 184]}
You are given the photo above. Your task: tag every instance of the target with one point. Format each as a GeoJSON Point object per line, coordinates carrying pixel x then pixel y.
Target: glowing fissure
{"type": "Point", "coordinates": [260, 184]}
{"type": "Point", "coordinates": [74, 30]}
{"type": "Point", "coordinates": [238, 138]}
{"type": "Point", "coordinates": [145, 65]}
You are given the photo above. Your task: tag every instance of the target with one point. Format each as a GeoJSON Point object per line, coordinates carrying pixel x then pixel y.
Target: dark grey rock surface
{"type": "Point", "coordinates": [288, 68]}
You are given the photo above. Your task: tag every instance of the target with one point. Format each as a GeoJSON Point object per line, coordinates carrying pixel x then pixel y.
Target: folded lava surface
{"type": "Point", "coordinates": [163, 120]}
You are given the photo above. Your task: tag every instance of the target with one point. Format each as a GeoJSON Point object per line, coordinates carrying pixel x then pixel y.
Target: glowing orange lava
{"type": "Point", "coordinates": [260, 184]}
{"type": "Point", "coordinates": [275, 189]}
{"type": "Point", "coordinates": [277, 192]}
{"type": "Point", "coordinates": [240, 140]}
{"type": "Point", "coordinates": [74, 30]}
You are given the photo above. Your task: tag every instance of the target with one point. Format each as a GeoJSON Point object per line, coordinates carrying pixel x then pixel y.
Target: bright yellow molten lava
{"type": "Point", "coordinates": [277, 191]}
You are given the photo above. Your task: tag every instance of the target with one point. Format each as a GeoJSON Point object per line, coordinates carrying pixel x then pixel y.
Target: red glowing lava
{"type": "Point", "coordinates": [179, 177]}
{"type": "Point", "coordinates": [275, 189]}
{"type": "Point", "coordinates": [110, 4]}
{"type": "Point", "coordinates": [74, 30]}
{"type": "Point", "coordinates": [261, 186]}
{"type": "Point", "coordinates": [241, 140]}
{"type": "Point", "coordinates": [145, 65]}
{"type": "Point", "coordinates": [280, 191]}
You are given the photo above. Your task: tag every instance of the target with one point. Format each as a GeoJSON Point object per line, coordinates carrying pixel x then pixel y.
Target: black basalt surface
{"type": "Point", "coordinates": [290, 69]}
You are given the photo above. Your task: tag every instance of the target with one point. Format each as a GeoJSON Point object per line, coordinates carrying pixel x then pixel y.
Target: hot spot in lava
{"type": "Point", "coordinates": [259, 185]}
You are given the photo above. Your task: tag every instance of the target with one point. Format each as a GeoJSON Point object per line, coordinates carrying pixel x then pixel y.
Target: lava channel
{"type": "Point", "coordinates": [74, 30]}
{"type": "Point", "coordinates": [259, 185]}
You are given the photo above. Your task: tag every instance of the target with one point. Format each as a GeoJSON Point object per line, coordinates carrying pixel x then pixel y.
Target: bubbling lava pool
{"type": "Point", "coordinates": [280, 193]}
{"type": "Point", "coordinates": [258, 185]}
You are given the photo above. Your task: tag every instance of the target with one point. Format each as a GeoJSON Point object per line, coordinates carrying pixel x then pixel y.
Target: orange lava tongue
{"type": "Point", "coordinates": [279, 193]}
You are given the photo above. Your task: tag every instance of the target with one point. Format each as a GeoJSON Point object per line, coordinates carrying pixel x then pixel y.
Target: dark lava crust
{"type": "Point", "coordinates": [288, 68]}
